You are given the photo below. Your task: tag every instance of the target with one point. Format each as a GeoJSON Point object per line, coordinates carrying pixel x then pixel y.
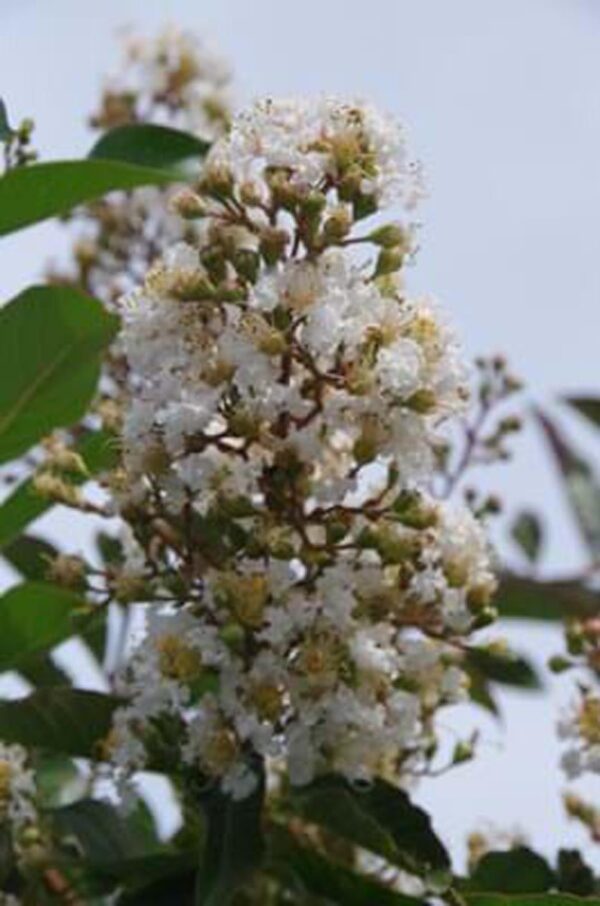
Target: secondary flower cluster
{"type": "Point", "coordinates": [312, 599]}
{"type": "Point", "coordinates": [581, 726]}
{"type": "Point", "coordinates": [17, 797]}
{"type": "Point", "coordinates": [175, 80]}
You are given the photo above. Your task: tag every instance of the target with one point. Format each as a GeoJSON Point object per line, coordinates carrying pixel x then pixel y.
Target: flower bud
{"type": "Point", "coordinates": [389, 260]}
{"type": "Point", "coordinates": [337, 226]}
{"type": "Point", "coordinates": [391, 235]}
{"type": "Point", "coordinates": [247, 264]}
{"type": "Point", "coordinates": [217, 181]}
{"type": "Point", "coordinates": [68, 571]}
{"type": "Point", "coordinates": [273, 243]}
{"type": "Point", "coordinates": [56, 489]}
{"type": "Point", "coordinates": [284, 192]}
{"type": "Point", "coordinates": [423, 401]}
{"type": "Point", "coordinates": [188, 204]}
{"type": "Point", "coordinates": [250, 194]}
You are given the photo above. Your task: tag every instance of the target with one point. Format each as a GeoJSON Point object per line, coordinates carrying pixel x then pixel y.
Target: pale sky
{"type": "Point", "coordinates": [503, 104]}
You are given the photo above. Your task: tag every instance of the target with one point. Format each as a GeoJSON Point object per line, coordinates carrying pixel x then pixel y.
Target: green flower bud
{"type": "Point", "coordinates": [389, 261]}
{"type": "Point", "coordinates": [188, 204]}
{"type": "Point", "coordinates": [389, 236]}
{"type": "Point", "coordinates": [217, 181]}
{"type": "Point", "coordinates": [337, 226]}
{"type": "Point", "coordinates": [422, 401]}
{"type": "Point", "coordinates": [247, 264]}
{"type": "Point", "coordinates": [273, 243]}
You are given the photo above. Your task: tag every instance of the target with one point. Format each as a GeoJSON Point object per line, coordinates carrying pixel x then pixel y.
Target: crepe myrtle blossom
{"type": "Point", "coordinates": [580, 726]}
{"type": "Point", "coordinates": [17, 789]}
{"type": "Point", "coordinates": [311, 597]}
{"type": "Point", "coordinates": [175, 78]}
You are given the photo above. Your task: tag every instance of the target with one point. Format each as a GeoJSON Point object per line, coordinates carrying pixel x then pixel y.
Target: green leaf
{"type": "Point", "coordinates": [234, 845]}
{"type": "Point", "coordinates": [41, 671]}
{"type": "Point", "coordinates": [380, 818]}
{"type": "Point", "coordinates": [164, 892]}
{"type": "Point", "coordinates": [51, 339]}
{"type": "Point", "coordinates": [309, 874]}
{"type": "Point", "coordinates": [573, 874]}
{"type": "Point", "coordinates": [57, 780]}
{"type": "Point", "coordinates": [149, 145]}
{"type": "Point", "coordinates": [98, 450]}
{"type": "Point", "coordinates": [481, 694]}
{"type": "Point", "coordinates": [588, 406]}
{"type": "Point", "coordinates": [7, 854]}
{"type": "Point", "coordinates": [527, 532]}
{"type": "Point", "coordinates": [31, 194]}
{"type": "Point", "coordinates": [110, 549]}
{"type": "Point", "coordinates": [524, 598]}
{"type": "Point", "coordinates": [5, 129]}
{"type": "Point", "coordinates": [581, 484]}
{"type": "Point", "coordinates": [63, 720]}
{"type": "Point", "coordinates": [539, 899]}
{"type": "Point", "coordinates": [105, 837]}
{"type": "Point", "coordinates": [33, 618]}
{"type": "Point", "coordinates": [507, 668]}
{"type": "Point", "coordinates": [518, 870]}
{"type": "Point", "coordinates": [30, 556]}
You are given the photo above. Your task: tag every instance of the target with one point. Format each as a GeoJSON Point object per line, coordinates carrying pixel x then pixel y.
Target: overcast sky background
{"type": "Point", "coordinates": [503, 103]}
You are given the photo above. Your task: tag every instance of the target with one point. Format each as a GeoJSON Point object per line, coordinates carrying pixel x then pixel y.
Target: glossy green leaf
{"type": "Point", "coordinates": [149, 145]}
{"type": "Point", "coordinates": [309, 874]}
{"type": "Point", "coordinates": [582, 486]}
{"type": "Point", "coordinates": [234, 845]}
{"type": "Point", "coordinates": [51, 339]}
{"type": "Point", "coordinates": [5, 129]}
{"type": "Point", "coordinates": [41, 671]}
{"type": "Point", "coordinates": [507, 668]}
{"type": "Point", "coordinates": [573, 874]}
{"type": "Point", "coordinates": [35, 193]}
{"type": "Point", "coordinates": [518, 870]}
{"type": "Point", "coordinates": [63, 720]}
{"type": "Point", "coordinates": [163, 892]}
{"type": "Point", "coordinates": [379, 817]}
{"type": "Point", "coordinates": [30, 556]}
{"type": "Point", "coordinates": [104, 835]}
{"type": "Point", "coordinates": [588, 406]}
{"type": "Point", "coordinates": [525, 598]}
{"type": "Point", "coordinates": [98, 450]}
{"type": "Point", "coordinates": [533, 899]}
{"type": "Point", "coordinates": [33, 618]}
{"type": "Point", "coordinates": [58, 781]}
{"type": "Point", "coordinates": [527, 532]}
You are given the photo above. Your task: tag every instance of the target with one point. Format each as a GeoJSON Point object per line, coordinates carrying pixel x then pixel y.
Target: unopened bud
{"type": "Point", "coordinates": [559, 664]}
{"type": "Point", "coordinates": [273, 243]}
{"type": "Point", "coordinates": [250, 194]}
{"type": "Point", "coordinates": [338, 225]}
{"type": "Point", "coordinates": [217, 181]}
{"type": "Point", "coordinates": [247, 264]}
{"type": "Point", "coordinates": [188, 204]}
{"type": "Point", "coordinates": [422, 401]}
{"type": "Point", "coordinates": [389, 260]}
{"type": "Point", "coordinates": [56, 489]}
{"type": "Point", "coordinates": [391, 235]}
{"type": "Point", "coordinates": [68, 571]}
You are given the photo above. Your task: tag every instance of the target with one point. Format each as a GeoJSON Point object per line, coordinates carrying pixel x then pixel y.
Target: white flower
{"type": "Point", "coordinates": [281, 414]}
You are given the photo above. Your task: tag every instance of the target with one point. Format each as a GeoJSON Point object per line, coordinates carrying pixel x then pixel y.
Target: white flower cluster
{"type": "Point", "coordinates": [580, 725]}
{"type": "Point", "coordinates": [17, 788]}
{"type": "Point", "coordinates": [317, 140]}
{"type": "Point", "coordinates": [175, 78]}
{"type": "Point", "coordinates": [279, 445]}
